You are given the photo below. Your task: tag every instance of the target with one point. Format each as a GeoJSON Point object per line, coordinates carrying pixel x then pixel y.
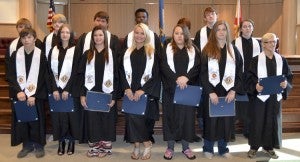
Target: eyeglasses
{"type": "Point", "coordinates": [270, 42]}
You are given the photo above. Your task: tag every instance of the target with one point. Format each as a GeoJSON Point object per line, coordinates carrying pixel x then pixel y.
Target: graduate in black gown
{"type": "Point", "coordinates": [27, 78]}
{"type": "Point", "coordinates": [52, 39]}
{"type": "Point", "coordinates": [63, 72]}
{"type": "Point", "coordinates": [221, 71]}
{"type": "Point", "coordinates": [248, 47]}
{"type": "Point", "coordinates": [139, 74]}
{"type": "Point", "coordinates": [266, 108]}
{"type": "Point", "coordinates": [98, 72]}
{"type": "Point", "coordinates": [180, 67]}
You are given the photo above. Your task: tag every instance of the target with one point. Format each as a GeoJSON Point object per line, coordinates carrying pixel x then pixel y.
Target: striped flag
{"type": "Point", "coordinates": [161, 21]}
{"type": "Point", "coordinates": [51, 13]}
{"type": "Point", "coordinates": [238, 17]}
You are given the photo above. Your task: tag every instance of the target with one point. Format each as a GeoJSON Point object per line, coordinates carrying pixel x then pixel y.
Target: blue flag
{"type": "Point", "coordinates": [161, 21]}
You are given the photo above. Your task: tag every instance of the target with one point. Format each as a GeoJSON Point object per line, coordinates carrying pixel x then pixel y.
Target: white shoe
{"type": "Point", "coordinates": [227, 155]}
{"type": "Point", "coordinates": [208, 155]}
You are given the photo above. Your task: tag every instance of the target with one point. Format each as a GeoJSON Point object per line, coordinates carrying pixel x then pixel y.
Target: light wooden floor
{"type": "Point", "coordinates": [290, 152]}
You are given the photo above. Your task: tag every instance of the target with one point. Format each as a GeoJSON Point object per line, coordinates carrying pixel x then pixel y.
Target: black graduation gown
{"type": "Point", "coordinates": [65, 124]}
{"type": "Point", "coordinates": [263, 115]}
{"type": "Point", "coordinates": [135, 126]}
{"type": "Point", "coordinates": [217, 128]}
{"type": "Point", "coordinates": [98, 126]}
{"type": "Point", "coordinates": [178, 120]}
{"type": "Point", "coordinates": [29, 131]}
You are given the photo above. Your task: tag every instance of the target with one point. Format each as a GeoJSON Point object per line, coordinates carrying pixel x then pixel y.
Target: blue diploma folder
{"type": "Point", "coordinates": [189, 96]}
{"type": "Point", "coordinates": [241, 97]}
{"type": "Point", "coordinates": [222, 108]}
{"type": "Point", "coordinates": [25, 113]}
{"type": "Point", "coordinates": [98, 101]}
{"type": "Point", "coordinates": [61, 105]}
{"type": "Point", "coordinates": [134, 107]}
{"type": "Point", "coordinates": [271, 84]}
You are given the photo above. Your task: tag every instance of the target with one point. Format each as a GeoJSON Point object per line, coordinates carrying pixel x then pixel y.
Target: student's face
{"type": "Point", "coordinates": [65, 34]}
{"type": "Point", "coordinates": [270, 45]}
{"type": "Point", "coordinates": [178, 36]}
{"type": "Point", "coordinates": [56, 25]}
{"type": "Point", "coordinates": [247, 29]}
{"type": "Point", "coordinates": [221, 32]}
{"type": "Point", "coordinates": [20, 27]}
{"type": "Point", "coordinates": [101, 22]}
{"type": "Point", "coordinates": [98, 37]}
{"type": "Point", "coordinates": [211, 17]}
{"type": "Point", "coordinates": [139, 35]}
{"type": "Point", "coordinates": [141, 17]}
{"type": "Point", "coordinates": [28, 41]}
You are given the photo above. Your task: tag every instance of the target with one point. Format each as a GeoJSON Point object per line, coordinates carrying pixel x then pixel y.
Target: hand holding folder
{"type": "Point", "coordinates": [98, 101]}
{"type": "Point", "coordinates": [271, 84]}
{"type": "Point", "coordinates": [223, 108]}
{"type": "Point", "coordinates": [25, 113]}
{"type": "Point", "coordinates": [134, 107]}
{"type": "Point", "coordinates": [189, 96]}
{"type": "Point", "coordinates": [61, 105]}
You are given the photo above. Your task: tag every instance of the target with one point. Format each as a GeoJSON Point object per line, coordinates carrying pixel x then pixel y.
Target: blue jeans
{"type": "Point", "coordinates": [209, 146]}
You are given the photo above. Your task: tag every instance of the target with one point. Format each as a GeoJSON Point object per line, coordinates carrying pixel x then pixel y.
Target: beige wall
{"type": "Point", "coordinates": [267, 14]}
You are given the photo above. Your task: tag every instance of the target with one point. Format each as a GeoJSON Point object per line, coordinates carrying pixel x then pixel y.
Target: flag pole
{"type": "Point", "coordinates": [161, 21]}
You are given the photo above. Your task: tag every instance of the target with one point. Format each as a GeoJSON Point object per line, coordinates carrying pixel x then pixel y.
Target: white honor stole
{"type": "Point", "coordinates": [13, 46]}
{"type": "Point", "coordinates": [88, 39]}
{"type": "Point", "coordinates": [255, 45]}
{"type": "Point", "coordinates": [29, 84]}
{"type": "Point", "coordinates": [203, 37]}
{"type": "Point", "coordinates": [108, 75]}
{"type": "Point", "coordinates": [128, 69]}
{"type": "Point", "coordinates": [130, 39]}
{"type": "Point", "coordinates": [66, 68]}
{"type": "Point", "coordinates": [229, 73]}
{"type": "Point", "coordinates": [48, 44]}
{"type": "Point", "coordinates": [262, 71]}
{"type": "Point", "coordinates": [170, 58]}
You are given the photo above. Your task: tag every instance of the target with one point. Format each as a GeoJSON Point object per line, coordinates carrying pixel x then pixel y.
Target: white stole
{"type": "Point", "coordinates": [66, 68]}
{"type": "Point", "coordinates": [13, 46]}
{"type": "Point", "coordinates": [130, 39]}
{"type": "Point", "coordinates": [203, 37]}
{"type": "Point", "coordinates": [229, 73]}
{"type": "Point", "coordinates": [170, 58]}
{"type": "Point", "coordinates": [88, 38]}
{"type": "Point", "coordinates": [128, 69]}
{"type": "Point", "coordinates": [255, 45]}
{"type": "Point", "coordinates": [262, 71]}
{"type": "Point", "coordinates": [108, 75]}
{"type": "Point", "coordinates": [48, 44]}
{"type": "Point", "coordinates": [29, 84]}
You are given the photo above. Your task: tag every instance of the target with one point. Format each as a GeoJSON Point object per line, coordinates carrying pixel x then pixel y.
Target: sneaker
{"type": "Point", "coordinates": [271, 153]}
{"type": "Point", "coordinates": [93, 152]}
{"type": "Point", "coordinates": [227, 155]}
{"type": "Point", "coordinates": [24, 152]}
{"type": "Point", "coordinates": [252, 153]}
{"type": "Point", "coordinates": [208, 155]}
{"type": "Point", "coordinates": [39, 152]}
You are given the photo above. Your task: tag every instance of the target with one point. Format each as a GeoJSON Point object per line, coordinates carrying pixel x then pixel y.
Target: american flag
{"type": "Point", "coordinates": [51, 13]}
{"type": "Point", "coordinates": [238, 17]}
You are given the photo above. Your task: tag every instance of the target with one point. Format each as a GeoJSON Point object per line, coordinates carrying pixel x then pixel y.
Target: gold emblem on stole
{"type": "Point", "coordinates": [21, 79]}
{"type": "Point", "coordinates": [108, 83]}
{"type": "Point", "coordinates": [56, 76]}
{"type": "Point", "coordinates": [214, 75]}
{"type": "Point", "coordinates": [31, 87]}
{"type": "Point", "coordinates": [228, 80]}
{"type": "Point", "coordinates": [90, 78]}
{"type": "Point", "coordinates": [64, 78]}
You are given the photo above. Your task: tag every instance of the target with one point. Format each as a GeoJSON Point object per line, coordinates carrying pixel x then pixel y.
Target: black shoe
{"type": "Point", "coordinates": [71, 148]}
{"type": "Point", "coordinates": [61, 148]}
{"type": "Point", "coordinates": [24, 152]}
{"type": "Point", "coordinates": [39, 152]}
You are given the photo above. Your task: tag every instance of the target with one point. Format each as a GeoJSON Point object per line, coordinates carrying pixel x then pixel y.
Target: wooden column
{"type": "Point", "coordinates": [289, 20]}
{"type": "Point", "coordinates": [27, 10]}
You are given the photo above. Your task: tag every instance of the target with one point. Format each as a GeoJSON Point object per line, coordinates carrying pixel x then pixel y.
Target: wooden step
{"type": "Point", "coordinates": [4, 91]}
{"type": "Point", "coordinates": [291, 102]}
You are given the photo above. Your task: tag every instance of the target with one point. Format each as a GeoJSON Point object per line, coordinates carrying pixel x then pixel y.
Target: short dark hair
{"type": "Point", "coordinates": [102, 15]}
{"type": "Point", "coordinates": [209, 10]}
{"type": "Point", "coordinates": [27, 31]}
{"type": "Point", "coordinates": [24, 21]}
{"type": "Point", "coordinates": [141, 10]}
